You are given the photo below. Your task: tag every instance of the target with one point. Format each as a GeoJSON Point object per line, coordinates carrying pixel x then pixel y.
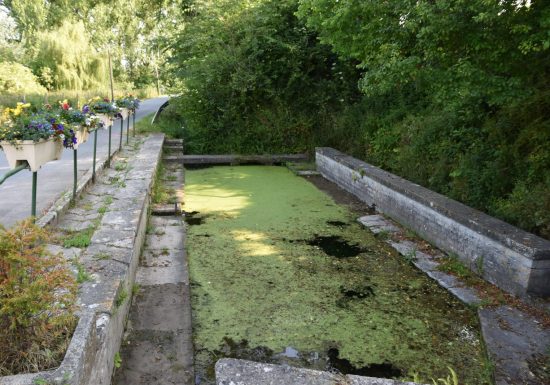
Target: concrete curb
{"type": "Point", "coordinates": [514, 260]}
{"type": "Point", "coordinates": [104, 303]}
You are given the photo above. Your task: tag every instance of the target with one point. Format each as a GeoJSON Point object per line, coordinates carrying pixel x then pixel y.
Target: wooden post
{"type": "Point", "coordinates": [111, 77]}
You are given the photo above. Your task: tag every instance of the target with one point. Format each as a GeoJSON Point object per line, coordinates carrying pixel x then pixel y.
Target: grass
{"type": "Point", "coordinates": [79, 239]}
{"type": "Point", "coordinates": [170, 129]}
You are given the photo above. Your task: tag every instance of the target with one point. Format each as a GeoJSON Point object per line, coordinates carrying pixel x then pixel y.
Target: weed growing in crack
{"type": "Point", "coordinates": [81, 274]}
{"type": "Point", "coordinates": [101, 256]}
{"type": "Point", "coordinates": [117, 360]}
{"type": "Point", "coordinates": [79, 239]}
{"type": "Point", "coordinates": [455, 267]}
{"type": "Point", "coordinates": [121, 166]}
{"type": "Point", "coordinates": [410, 256]}
{"type": "Point", "coordinates": [383, 235]}
{"type": "Point", "coordinates": [159, 232]}
{"type": "Point", "coordinates": [121, 297]}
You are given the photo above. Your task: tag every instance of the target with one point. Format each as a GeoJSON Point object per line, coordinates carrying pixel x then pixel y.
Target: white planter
{"type": "Point", "coordinates": [82, 135]}
{"type": "Point", "coordinates": [35, 153]}
{"type": "Point", "coordinates": [125, 113]}
{"type": "Point", "coordinates": [106, 119]}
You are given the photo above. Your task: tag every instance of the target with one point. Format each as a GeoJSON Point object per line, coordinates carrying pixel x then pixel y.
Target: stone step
{"type": "Point", "coordinates": [173, 148]}
{"type": "Point", "coordinates": [241, 159]}
{"type": "Point", "coordinates": [173, 142]}
{"type": "Point", "coordinates": [166, 210]}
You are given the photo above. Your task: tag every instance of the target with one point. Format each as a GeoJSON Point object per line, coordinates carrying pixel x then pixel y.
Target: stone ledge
{"type": "Point", "coordinates": [231, 371]}
{"type": "Point", "coordinates": [237, 159]}
{"type": "Point", "coordinates": [90, 357]}
{"type": "Point", "coordinates": [510, 258]}
{"type": "Point", "coordinates": [62, 204]}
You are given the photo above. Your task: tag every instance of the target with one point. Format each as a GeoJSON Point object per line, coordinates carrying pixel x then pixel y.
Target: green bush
{"type": "Point", "coordinates": [17, 79]}
{"type": "Point", "coordinates": [449, 95]}
{"type": "Point", "coordinates": [37, 302]}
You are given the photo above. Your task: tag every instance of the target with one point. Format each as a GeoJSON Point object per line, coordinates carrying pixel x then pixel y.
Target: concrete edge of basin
{"type": "Point", "coordinates": [512, 259]}
{"type": "Point", "coordinates": [231, 371]}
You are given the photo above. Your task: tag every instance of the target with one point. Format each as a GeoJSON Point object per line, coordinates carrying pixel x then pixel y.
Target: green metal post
{"type": "Point", "coordinates": [33, 205]}
{"type": "Point", "coordinates": [121, 131]}
{"type": "Point", "coordinates": [109, 153]}
{"type": "Point", "coordinates": [134, 121]}
{"type": "Point", "coordinates": [75, 160]}
{"type": "Point", "coordinates": [95, 151]}
{"type": "Point", "coordinates": [128, 128]}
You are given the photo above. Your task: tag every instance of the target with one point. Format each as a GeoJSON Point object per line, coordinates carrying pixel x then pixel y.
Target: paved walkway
{"type": "Point", "coordinates": [56, 177]}
{"type": "Point", "coordinates": [158, 344]}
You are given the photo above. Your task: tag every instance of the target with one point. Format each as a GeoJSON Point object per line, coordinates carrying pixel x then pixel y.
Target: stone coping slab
{"type": "Point", "coordinates": [513, 259]}
{"type": "Point", "coordinates": [104, 301]}
{"type": "Point", "coordinates": [230, 371]}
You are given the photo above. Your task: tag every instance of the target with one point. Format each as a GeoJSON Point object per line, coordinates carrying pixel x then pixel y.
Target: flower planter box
{"type": "Point", "coordinates": [82, 135]}
{"type": "Point", "coordinates": [35, 153]}
{"type": "Point", "coordinates": [124, 112]}
{"type": "Point", "coordinates": [105, 119]}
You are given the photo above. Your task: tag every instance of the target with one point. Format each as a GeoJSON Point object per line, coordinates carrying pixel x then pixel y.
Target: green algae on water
{"type": "Point", "coordinates": [259, 279]}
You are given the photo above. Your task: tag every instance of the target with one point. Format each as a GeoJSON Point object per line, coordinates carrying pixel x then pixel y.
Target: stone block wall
{"type": "Point", "coordinates": [514, 260]}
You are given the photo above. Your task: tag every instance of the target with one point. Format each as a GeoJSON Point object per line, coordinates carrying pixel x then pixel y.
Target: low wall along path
{"type": "Point", "coordinates": [112, 215]}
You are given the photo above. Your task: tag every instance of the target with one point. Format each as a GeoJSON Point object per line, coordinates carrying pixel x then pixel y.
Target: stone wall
{"type": "Point", "coordinates": [515, 260]}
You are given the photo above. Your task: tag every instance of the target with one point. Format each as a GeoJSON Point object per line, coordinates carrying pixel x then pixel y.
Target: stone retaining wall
{"type": "Point", "coordinates": [105, 301]}
{"type": "Point", "coordinates": [514, 260]}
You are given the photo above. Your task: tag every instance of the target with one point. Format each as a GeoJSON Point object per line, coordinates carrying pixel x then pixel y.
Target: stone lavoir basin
{"type": "Point", "coordinates": [280, 273]}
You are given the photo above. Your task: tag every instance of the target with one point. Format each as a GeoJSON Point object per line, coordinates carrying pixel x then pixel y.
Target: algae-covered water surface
{"type": "Point", "coordinates": [281, 273]}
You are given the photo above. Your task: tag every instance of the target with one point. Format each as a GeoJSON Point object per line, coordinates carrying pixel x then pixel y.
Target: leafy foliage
{"type": "Point", "coordinates": [37, 301]}
{"type": "Point", "coordinates": [256, 77]}
{"type": "Point", "coordinates": [15, 78]}
{"type": "Point", "coordinates": [449, 94]}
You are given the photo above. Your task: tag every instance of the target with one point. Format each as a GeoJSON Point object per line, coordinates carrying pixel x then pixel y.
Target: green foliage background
{"type": "Point", "coordinates": [449, 94]}
{"type": "Point", "coordinates": [66, 43]}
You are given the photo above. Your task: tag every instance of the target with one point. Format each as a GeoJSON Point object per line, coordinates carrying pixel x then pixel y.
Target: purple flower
{"type": "Point", "coordinates": [86, 109]}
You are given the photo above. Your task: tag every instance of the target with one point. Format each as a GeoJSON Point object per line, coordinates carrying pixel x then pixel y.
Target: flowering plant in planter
{"type": "Point", "coordinates": [126, 105]}
{"type": "Point", "coordinates": [80, 122]}
{"type": "Point", "coordinates": [102, 108]}
{"type": "Point", "coordinates": [33, 137]}
{"type": "Point", "coordinates": [20, 124]}
{"type": "Point", "coordinates": [134, 101]}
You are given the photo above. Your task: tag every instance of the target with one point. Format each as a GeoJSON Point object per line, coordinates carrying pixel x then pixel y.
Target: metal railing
{"type": "Point", "coordinates": [25, 165]}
